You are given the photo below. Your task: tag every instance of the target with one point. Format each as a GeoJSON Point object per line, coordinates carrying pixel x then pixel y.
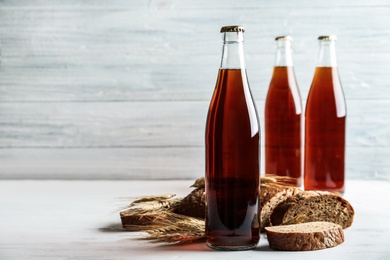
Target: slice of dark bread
{"type": "Point", "coordinates": [270, 197]}
{"type": "Point", "coordinates": [269, 190]}
{"type": "Point", "coordinates": [305, 236]}
{"type": "Point", "coordinates": [309, 206]}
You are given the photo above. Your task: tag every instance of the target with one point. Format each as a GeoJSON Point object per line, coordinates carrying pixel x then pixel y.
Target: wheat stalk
{"type": "Point", "coordinates": [178, 229]}
{"type": "Point", "coordinates": [171, 228]}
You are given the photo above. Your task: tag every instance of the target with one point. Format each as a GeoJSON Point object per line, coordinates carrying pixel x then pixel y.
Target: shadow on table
{"type": "Point", "coordinates": [198, 247]}
{"type": "Point", "coordinates": [203, 247]}
{"type": "Point", "coordinates": [193, 247]}
{"type": "Point", "coordinates": [111, 228]}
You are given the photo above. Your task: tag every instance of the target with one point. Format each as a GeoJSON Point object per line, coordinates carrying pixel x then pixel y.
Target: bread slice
{"type": "Point", "coordinates": [270, 197]}
{"type": "Point", "coordinates": [305, 236]}
{"type": "Point", "coordinates": [309, 206]}
{"type": "Point", "coordinates": [269, 190]}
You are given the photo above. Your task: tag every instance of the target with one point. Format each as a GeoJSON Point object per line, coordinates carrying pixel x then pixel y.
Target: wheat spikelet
{"type": "Point", "coordinates": [160, 205]}
{"type": "Point", "coordinates": [172, 228]}
{"type": "Point", "coordinates": [177, 229]}
{"type": "Point", "coordinates": [279, 180]}
{"type": "Point", "coordinates": [149, 205]}
{"type": "Point", "coordinates": [177, 238]}
{"type": "Point", "coordinates": [152, 198]}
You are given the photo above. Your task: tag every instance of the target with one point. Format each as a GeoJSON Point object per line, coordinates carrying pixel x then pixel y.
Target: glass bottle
{"type": "Point", "coordinates": [325, 124]}
{"type": "Point", "coordinates": [232, 153]}
{"type": "Point", "coordinates": [283, 117]}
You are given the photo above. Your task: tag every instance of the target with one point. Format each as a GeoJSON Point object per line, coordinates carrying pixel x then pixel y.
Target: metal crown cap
{"type": "Point", "coordinates": [327, 38]}
{"type": "Point", "coordinates": [232, 28]}
{"type": "Point", "coordinates": [284, 38]}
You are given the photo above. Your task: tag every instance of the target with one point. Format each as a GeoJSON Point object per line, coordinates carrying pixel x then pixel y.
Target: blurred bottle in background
{"type": "Point", "coordinates": [283, 117]}
{"type": "Point", "coordinates": [325, 124]}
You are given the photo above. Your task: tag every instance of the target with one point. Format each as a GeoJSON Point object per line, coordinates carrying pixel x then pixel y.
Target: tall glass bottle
{"type": "Point", "coordinates": [283, 117]}
{"type": "Point", "coordinates": [232, 153]}
{"type": "Point", "coordinates": [325, 124]}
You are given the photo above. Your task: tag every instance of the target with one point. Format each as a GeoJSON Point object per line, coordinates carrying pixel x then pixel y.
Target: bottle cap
{"type": "Point", "coordinates": [327, 38]}
{"type": "Point", "coordinates": [284, 38]}
{"type": "Point", "coordinates": [233, 28]}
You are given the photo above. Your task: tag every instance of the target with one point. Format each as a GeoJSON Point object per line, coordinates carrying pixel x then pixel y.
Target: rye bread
{"type": "Point", "coordinates": [270, 197]}
{"type": "Point", "coordinates": [194, 204]}
{"type": "Point", "coordinates": [309, 206]}
{"type": "Point", "coordinates": [269, 190]}
{"type": "Point", "coordinates": [305, 236]}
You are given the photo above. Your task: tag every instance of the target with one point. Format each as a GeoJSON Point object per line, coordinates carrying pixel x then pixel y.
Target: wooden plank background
{"type": "Point", "coordinates": [120, 89]}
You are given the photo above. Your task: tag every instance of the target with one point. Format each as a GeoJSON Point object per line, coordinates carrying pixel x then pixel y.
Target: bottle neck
{"type": "Point", "coordinates": [327, 54]}
{"type": "Point", "coordinates": [233, 51]}
{"type": "Point", "coordinates": [283, 57]}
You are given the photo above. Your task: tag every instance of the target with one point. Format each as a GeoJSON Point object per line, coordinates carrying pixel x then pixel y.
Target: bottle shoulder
{"type": "Point", "coordinates": [284, 86]}
{"type": "Point", "coordinates": [326, 80]}
{"type": "Point", "coordinates": [326, 95]}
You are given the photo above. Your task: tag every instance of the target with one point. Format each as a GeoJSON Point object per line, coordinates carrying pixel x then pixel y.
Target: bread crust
{"type": "Point", "coordinates": [309, 206]}
{"type": "Point", "coordinates": [194, 204]}
{"type": "Point", "coordinates": [269, 190]}
{"type": "Point", "coordinates": [305, 236]}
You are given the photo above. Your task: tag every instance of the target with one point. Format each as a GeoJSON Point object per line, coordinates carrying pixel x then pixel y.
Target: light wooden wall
{"type": "Point", "coordinates": [120, 89]}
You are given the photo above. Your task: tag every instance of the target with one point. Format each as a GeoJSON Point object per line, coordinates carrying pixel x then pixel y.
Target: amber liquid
{"type": "Point", "coordinates": [325, 133]}
{"type": "Point", "coordinates": [283, 117]}
{"type": "Point", "coordinates": [232, 165]}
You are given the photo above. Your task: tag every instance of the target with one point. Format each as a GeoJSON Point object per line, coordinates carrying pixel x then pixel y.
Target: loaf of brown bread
{"type": "Point", "coordinates": [194, 204]}
{"type": "Point", "coordinates": [309, 206]}
{"type": "Point", "coordinates": [305, 236]}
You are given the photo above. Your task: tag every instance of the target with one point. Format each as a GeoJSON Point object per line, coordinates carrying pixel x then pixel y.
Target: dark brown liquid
{"type": "Point", "coordinates": [283, 117]}
{"type": "Point", "coordinates": [232, 165]}
{"type": "Point", "coordinates": [325, 133]}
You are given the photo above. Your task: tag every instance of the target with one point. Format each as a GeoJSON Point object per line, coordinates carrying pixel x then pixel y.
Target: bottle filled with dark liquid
{"type": "Point", "coordinates": [232, 153]}
{"type": "Point", "coordinates": [325, 124]}
{"type": "Point", "coordinates": [283, 117]}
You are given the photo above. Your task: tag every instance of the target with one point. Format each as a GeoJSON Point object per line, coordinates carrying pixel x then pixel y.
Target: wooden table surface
{"type": "Point", "coordinates": [80, 220]}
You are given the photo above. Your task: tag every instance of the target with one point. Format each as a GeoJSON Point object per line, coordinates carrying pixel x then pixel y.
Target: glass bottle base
{"type": "Point", "coordinates": [231, 247]}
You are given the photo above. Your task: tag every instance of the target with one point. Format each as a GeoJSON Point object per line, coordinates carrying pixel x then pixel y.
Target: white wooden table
{"type": "Point", "coordinates": [79, 220]}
